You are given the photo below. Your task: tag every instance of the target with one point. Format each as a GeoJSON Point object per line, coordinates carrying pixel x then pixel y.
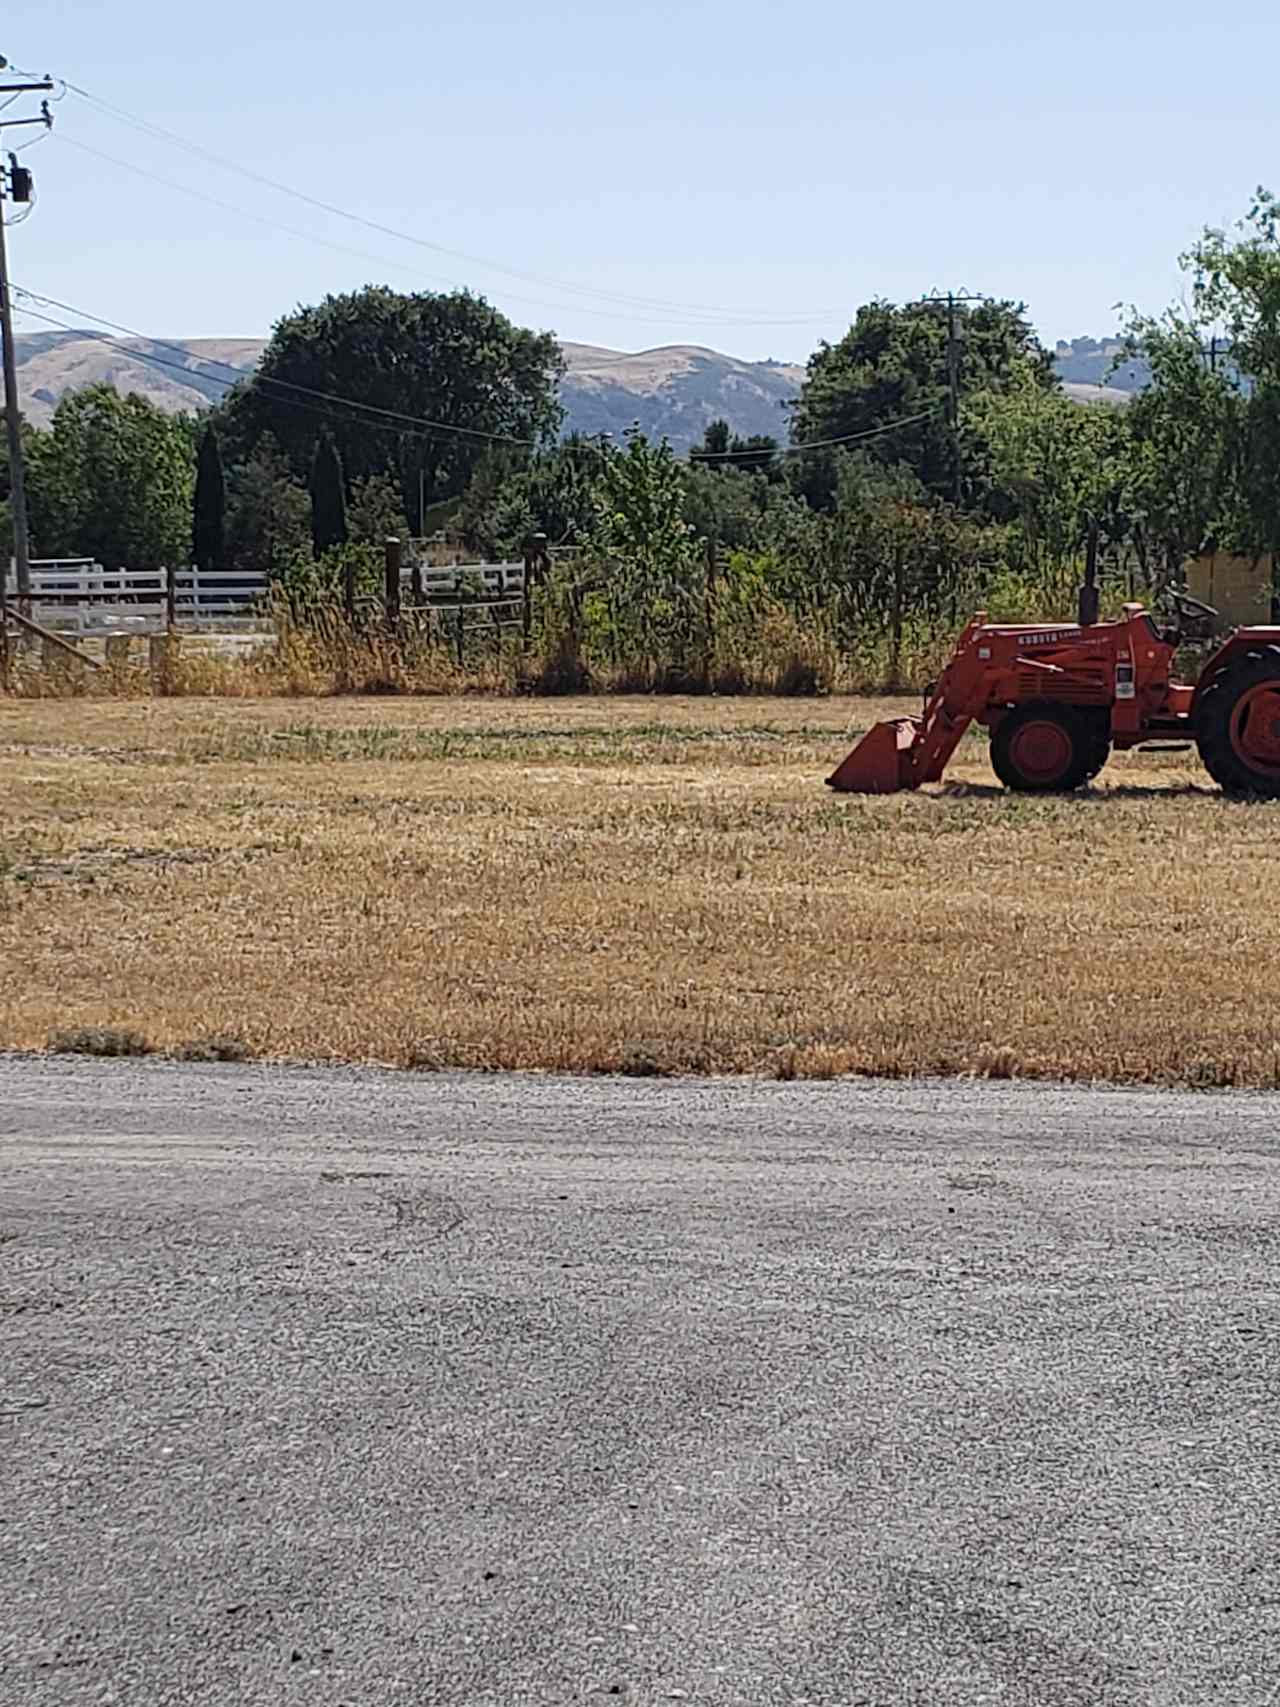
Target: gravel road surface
{"type": "Point", "coordinates": [352, 1387]}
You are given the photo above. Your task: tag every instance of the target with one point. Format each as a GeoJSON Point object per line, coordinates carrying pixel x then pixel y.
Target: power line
{"type": "Point", "coordinates": [620, 358]}
{"type": "Point", "coordinates": [760, 452]}
{"type": "Point", "coordinates": [398, 423]}
{"type": "Point", "coordinates": [709, 314]}
{"type": "Point", "coordinates": [311, 236]}
{"type": "Point", "coordinates": [318, 409]}
{"type": "Point", "coordinates": [178, 367]}
{"type": "Point", "coordinates": [613, 359]}
{"type": "Point", "coordinates": [240, 376]}
{"type": "Point", "coordinates": [396, 420]}
{"type": "Point", "coordinates": [230, 207]}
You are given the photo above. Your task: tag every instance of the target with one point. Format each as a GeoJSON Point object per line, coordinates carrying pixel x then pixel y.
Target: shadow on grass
{"type": "Point", "coordinates": [1085, 797]}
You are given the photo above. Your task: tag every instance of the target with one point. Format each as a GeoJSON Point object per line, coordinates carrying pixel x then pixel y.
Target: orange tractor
{"type": "Point", "coordinates": [1057, 697]}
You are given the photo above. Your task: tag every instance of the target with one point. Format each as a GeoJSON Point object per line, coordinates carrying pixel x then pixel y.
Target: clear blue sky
{"type": "Point", "coordinates": [761, 168]}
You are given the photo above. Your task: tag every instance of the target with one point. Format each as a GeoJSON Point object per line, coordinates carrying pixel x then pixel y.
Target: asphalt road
{"type": "Point", "coordinates": [367, 1388]}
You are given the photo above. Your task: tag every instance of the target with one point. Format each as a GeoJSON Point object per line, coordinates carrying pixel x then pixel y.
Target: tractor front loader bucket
{"type": "Point", "coordinates": [881, 762]}
{"type": "Point", "coordinates": [906, 751]}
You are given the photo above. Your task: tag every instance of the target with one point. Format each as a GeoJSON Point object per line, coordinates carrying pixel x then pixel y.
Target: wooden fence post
{"type": "Point", "coordinates": [708, 610]}
{"type": "Point", "coordinates": [391, 584]}
{"type": "Point", "coordinates": [170, 597]}
{"type": "Point", "coordinates": [537, 561]}
{"type": "Point", "coordinates": [164, 652]}
{"type": "Point", "coordinates": [415, 581]}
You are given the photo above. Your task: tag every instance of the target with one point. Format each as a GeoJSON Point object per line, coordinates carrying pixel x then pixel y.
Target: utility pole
{"type": "Point", "coordinates": [13, 425]}
{"type": "Point", "coordinates": [16, 188]}
{"type": "Point", "coordinates": [953, 395]}
{"type": "Point", "coordinates": [951, 302]}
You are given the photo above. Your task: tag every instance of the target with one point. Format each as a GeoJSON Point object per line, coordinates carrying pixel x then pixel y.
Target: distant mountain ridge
{"type": "Point", "coordinates": [674, 391]}
{"type": "Point", "coordinates": [1098, 370]}
{"type": "Point", "coordinates": [677, 390]}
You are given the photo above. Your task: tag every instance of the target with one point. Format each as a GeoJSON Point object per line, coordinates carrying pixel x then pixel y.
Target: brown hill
{"type": "Point", "coordinates": [676, 391]}
{"type": "Point", "coordinates": [185, 374]}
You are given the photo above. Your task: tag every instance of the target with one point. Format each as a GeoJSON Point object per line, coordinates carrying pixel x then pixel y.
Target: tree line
{"type": "Point", "coordinates": [950, 466]}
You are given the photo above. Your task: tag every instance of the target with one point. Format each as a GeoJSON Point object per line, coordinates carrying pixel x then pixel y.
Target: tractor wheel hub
{"type": "Point", "coordinates": [1041, 749]}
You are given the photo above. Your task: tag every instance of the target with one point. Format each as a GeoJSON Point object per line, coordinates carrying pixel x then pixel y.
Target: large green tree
{"type": "Point", "coordinates": [1236, 299]}
{"type": "Point", "coordinates": [448, 359]}
{"type": "Point", "coordinates": [113, 479]}
{"type": "Point", "coordinates": [1051, 466]}
{"type": "Point", "coordinates": [1182, 474]}
{"type": "Point", "coordinates": [894, 364]}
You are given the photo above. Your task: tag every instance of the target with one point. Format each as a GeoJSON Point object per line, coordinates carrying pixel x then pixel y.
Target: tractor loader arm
{"type": "Point", "coordinates": [907, 751]}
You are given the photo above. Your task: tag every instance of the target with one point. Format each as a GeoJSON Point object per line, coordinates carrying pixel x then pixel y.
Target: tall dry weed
{"type": "Point", "coordinates": [312, 651]}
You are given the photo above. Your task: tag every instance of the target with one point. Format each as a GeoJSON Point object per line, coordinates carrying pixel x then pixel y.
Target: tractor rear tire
{"type": "Point", "coordinates": [1238, 724]}
{"type": "Point", "coordinates": [1045, 748]}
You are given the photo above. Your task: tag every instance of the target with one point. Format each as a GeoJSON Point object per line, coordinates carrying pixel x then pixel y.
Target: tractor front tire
{"type": "Point", "coordinates": [1043, 748]}
{"type": "Point", "coordinates": [1237, 724]}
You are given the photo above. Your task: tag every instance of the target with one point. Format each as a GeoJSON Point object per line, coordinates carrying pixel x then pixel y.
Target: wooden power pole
{"type": "Point", "coordinates": [16, 191]}
{"type": "Point", "coordinates": [951, 302]}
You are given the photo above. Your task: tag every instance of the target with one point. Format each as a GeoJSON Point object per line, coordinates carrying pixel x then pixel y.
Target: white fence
{"type": "Point", "coordinates": [81, 596]}
{"type": "Point", "coordinates": [461, 580]}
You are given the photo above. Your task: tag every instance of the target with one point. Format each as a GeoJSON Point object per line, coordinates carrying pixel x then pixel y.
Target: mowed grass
{"type": "Point", "coordinates": [622, 885]}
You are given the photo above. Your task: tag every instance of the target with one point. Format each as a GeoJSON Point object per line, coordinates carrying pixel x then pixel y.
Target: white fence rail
{"type": "Point", "coordinates": [82, 596]}
{"type": "Point", "coordinates": [481, 580]}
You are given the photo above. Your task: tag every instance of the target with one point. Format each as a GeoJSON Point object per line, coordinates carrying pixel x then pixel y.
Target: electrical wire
{"type": "Point", "coordinates": [620, 358]}
{"type": "Point", "coordinates": [29, 144]}
{"type": "Point", "coordinates": [178, 367]}
{"type": "Point", "coordinates": [240, 377]}
{"type": "Point", "coordinates": [709, 314]}
{"type": "Point", "coordinates": [390, 420]}
{"type": "Point", "coordinates": [408, 424]}
{"type": "Point", "coordinates": [614, 359]}
{"type": "Point", "coordinates": [819, 444]}
{"type": "Point", "coordinates": [67, 141]}
{"type": "Point", "coordinates": [243, 213]}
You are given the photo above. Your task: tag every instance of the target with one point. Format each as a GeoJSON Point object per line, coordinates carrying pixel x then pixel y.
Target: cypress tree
{"type": "Point", "coordinates": [208, 529]}
{"type": "Point", "coordinates": [328, 499]}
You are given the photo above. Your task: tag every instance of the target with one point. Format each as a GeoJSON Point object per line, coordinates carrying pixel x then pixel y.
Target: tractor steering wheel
{"type": "Point", "coordinates": [1195, 619]}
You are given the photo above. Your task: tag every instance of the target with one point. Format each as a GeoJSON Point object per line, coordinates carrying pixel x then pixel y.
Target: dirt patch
{"type": "Point", "coordinates": [91, 865]}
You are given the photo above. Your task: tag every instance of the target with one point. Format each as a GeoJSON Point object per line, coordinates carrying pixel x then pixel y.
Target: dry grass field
{"type": "Point", "coordinates": [635, 885]}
